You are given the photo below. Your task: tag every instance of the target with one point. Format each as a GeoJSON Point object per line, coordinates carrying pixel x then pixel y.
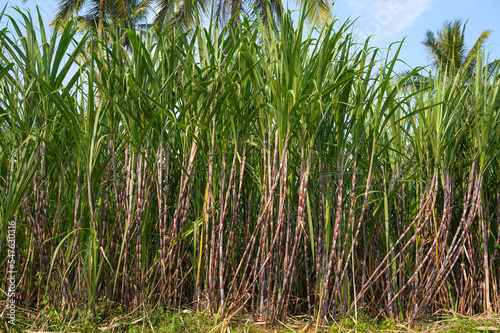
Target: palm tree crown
{"type": "Point", "coordinates": [448, 50]}
{"type": "Point", "coordinates": [102, 13]}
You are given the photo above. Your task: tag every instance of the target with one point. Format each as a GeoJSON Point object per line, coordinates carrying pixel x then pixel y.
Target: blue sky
{"type": "Point", "coordinates": [392, 20]}
{"type": "Point", "coordinates": [388, 21]}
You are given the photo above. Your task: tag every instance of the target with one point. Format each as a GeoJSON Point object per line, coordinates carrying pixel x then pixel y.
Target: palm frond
{"type": "Point", "coordinates": [319, 12]}
{"type": "Point", "coordinates": [67, 9]}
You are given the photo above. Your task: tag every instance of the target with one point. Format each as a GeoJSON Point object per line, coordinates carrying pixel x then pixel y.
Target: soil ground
{"type": "Point", "coordinates": [49, 320]}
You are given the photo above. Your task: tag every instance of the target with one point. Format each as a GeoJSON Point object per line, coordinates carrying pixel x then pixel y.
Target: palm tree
{"type": "Point", "coordinates": [448, 50]}
{"type": "Point", "coordinates": [68, 9]}
{"type": "Point", "coordinates": [184, 11]}
{"type": "Point", "coordinates": [449, 54]}
{"type": "Point", "coordinates": [102, 13]}
{"type": "Point", "coordinates": [180, 12]}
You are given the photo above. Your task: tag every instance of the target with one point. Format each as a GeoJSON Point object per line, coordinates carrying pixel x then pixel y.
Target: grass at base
{"type": "Point", "coordinates": [111, 320]}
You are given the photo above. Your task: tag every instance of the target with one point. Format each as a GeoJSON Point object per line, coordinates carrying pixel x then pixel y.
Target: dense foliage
{"type": "Point", "coordinates": [262, 169]}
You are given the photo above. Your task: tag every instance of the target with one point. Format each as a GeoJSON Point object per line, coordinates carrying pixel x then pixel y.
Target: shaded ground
{"type": "Point", "coordinates": [51, 320]}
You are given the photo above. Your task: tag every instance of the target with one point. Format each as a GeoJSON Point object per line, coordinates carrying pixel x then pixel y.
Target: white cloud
{"type": "Point", "coordinates": [386, 18]}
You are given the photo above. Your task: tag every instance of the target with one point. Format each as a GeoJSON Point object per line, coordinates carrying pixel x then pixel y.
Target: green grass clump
{"type": "Point", "coordinates": [363, 324]}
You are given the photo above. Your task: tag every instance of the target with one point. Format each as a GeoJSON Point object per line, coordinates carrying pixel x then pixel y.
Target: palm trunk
{"type": "Point", "coordinates": [101, 15]}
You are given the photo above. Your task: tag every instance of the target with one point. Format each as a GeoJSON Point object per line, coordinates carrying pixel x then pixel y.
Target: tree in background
{"type": "Point", "coordinates": [183, 13]}
{"type": "Point", "coordinates": [319, 10]}
{"type": "Point", "coordinates": [449, 53]}
{"type": "Point", "coordinates": [103, 13]}
{"type": "Point", "coordinates": [447, 47]}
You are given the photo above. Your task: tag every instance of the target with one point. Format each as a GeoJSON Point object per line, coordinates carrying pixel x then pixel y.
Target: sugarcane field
{"type": "Point", "coordinates": [229, 166]}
